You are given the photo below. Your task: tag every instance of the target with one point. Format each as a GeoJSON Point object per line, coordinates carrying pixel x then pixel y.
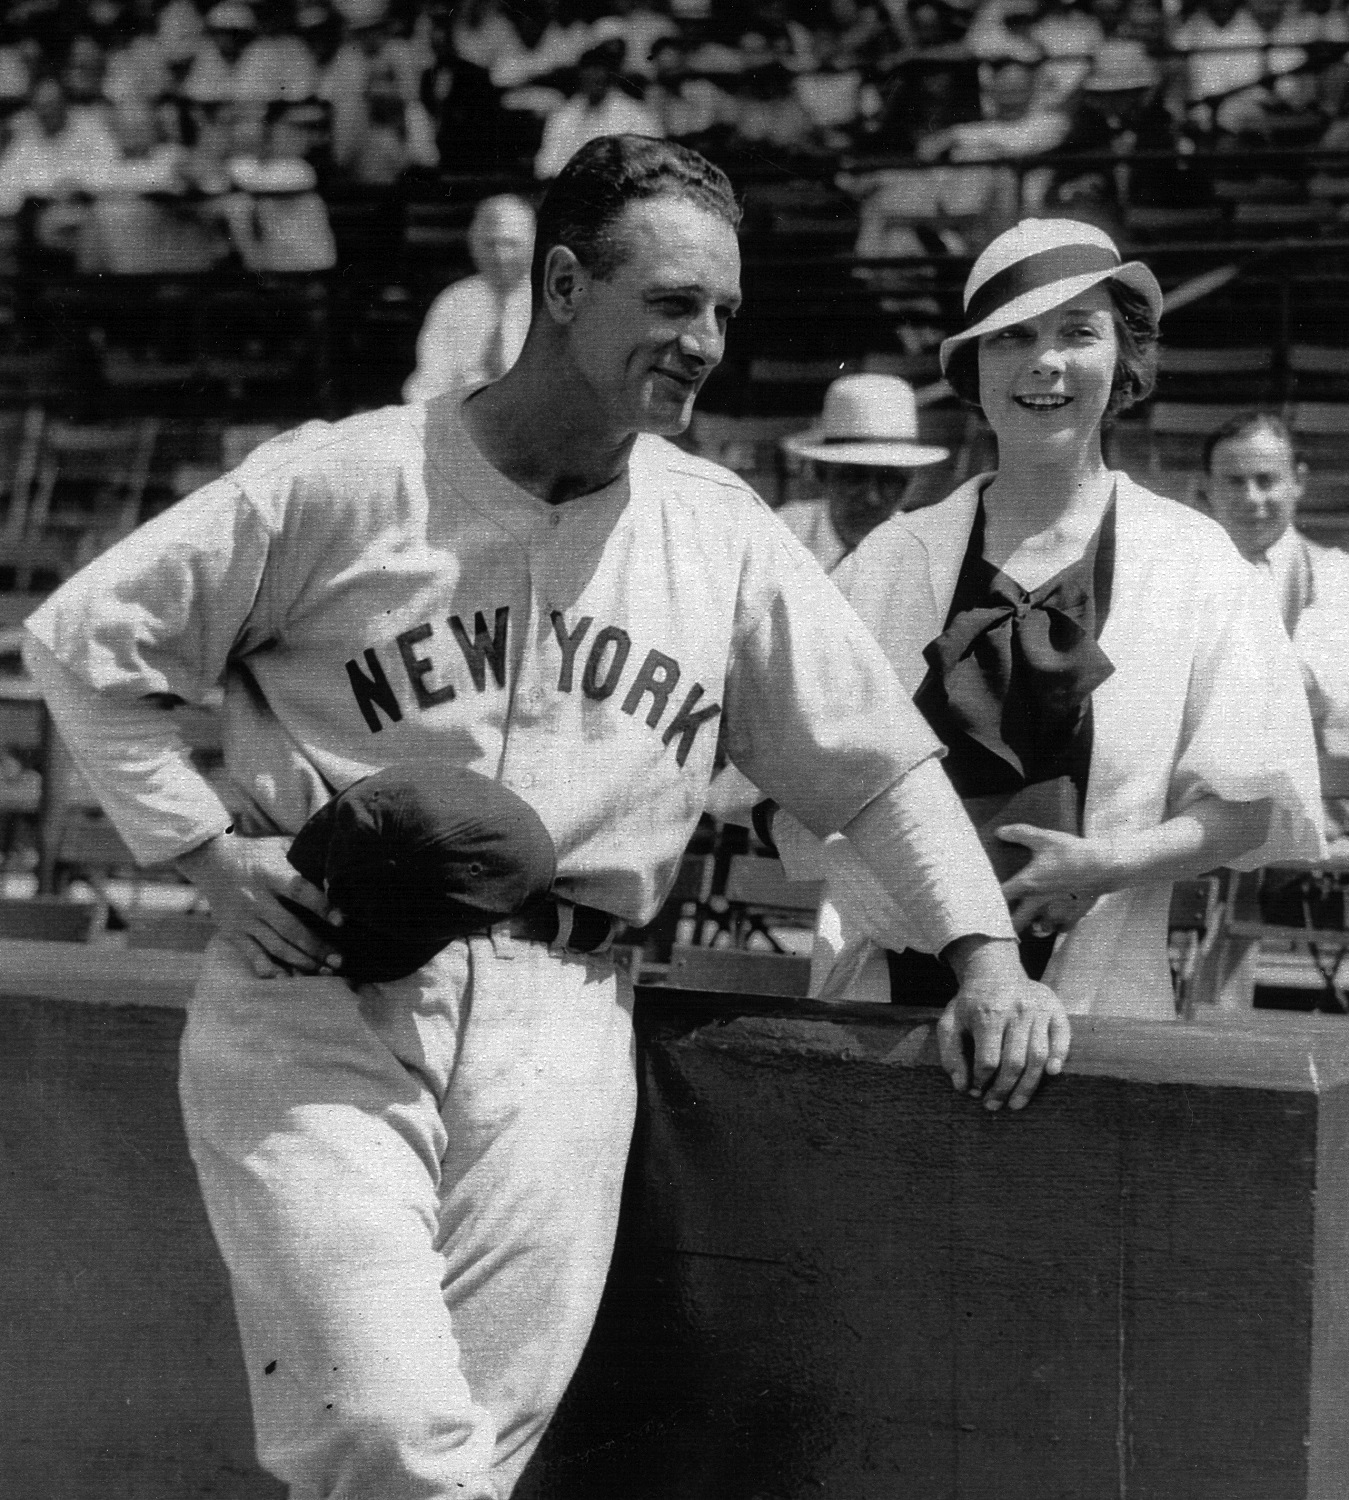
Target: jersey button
{"type": "Point", "coordinates": [525, 782]}
{"type": "Point", "coordinates": [555, 519]}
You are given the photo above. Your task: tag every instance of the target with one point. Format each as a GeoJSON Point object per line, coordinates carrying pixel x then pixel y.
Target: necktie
{"type": "Point", "coordinates": [494, 360]}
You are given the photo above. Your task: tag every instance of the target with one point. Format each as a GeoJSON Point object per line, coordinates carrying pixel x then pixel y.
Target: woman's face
{"type": "Point", "coordinates": [1044, 384]}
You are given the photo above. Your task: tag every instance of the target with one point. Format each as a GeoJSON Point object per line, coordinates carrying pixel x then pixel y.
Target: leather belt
{"type": "Point", "coordinates": [563, 924]}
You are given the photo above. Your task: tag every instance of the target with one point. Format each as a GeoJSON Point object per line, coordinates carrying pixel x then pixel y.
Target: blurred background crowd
{"type": "Point", "coordinates": [168, 134]}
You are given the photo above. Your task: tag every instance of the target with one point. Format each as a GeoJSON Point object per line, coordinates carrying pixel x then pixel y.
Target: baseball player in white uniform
{"type": "Point", "coordinates": [414, 1184]}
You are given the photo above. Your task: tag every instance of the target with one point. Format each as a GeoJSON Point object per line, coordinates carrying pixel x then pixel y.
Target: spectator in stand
{"type": "Point", "coordinates": [276, 219]}
{"type": "Point", "coordinates": [475, 328]}
{"type": "Point", "coordinates": [139, 66]}
{"type": "Point", "coordinates": [84, 71]}
{"type": "Point", "coordinates": [344, 81]}
{"type": "Point", "coordinates": [231, 26]}
{"type": "Point", "coordinates": [768, 113]}
{"type": "Point", "coordinates": [1069, 37]}
{"type": "Point", "coordinates": [789, 42]}
{"type": "Point", "coordinates": [599, 107]}
{"type": "Point", "coordinates": [399, 134]}
{"type": "Point", "coordinates": [14, 75]}
{"type": "Point", "coordinates": [276, 64]}
{"type": "Point", "coordinates": [1119, 110]}
{"type": "Point", "coordinates": [639, 26]}
{"type": "Point", "coordinates": [853, 33]}
{"type": "Point", "coordinates": [149, 221]}
{"type": "Point", "coordinates": [690, 109]}
{"type": "Point", "coordinates": [1001, 30]}
{"type": "Point", "coordinates": [181, 32]}
{"type": "Point", "coordinates": [482, 32]}
{"type": "Point", "coordinates": [552, 38]}
{"type": "Point", "coordinates": [865, 449]}
{"type": "Point", "coordinates": [472, 132]}
{"type": "Point", "coordinates": [55, 155]}
{"type": "Point", "coordinates": [1224, 67]}
{"type": "Point", "coordinates": [1018, 125]}
{"type": "Point", "coordinates": [1253, 483]}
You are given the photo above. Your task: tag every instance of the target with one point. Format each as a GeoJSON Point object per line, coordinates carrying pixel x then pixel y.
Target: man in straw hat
{"type": "Point", "coordinates": [865, 448]}
{"type": "Point", "coordinates": [415, 1180]}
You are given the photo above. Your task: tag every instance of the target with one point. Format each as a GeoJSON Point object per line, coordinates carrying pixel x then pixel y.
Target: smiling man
{"type": "Point", "coordinates": [414, 1176]}
{"type": "Point", "coordinates": [1253, 482]}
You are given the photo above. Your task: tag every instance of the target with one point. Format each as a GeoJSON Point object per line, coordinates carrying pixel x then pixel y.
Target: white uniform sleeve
{"type": "Point", "coordinates": [135, 760]}
{"type": "Point", "coordinates": [163, 611]}
{"type": "Point", "coordinates": [815, 716]}
{"type": "Point", "coordinates": [159, 614]}
{"type": "Point", "coordinates": [937, 885]}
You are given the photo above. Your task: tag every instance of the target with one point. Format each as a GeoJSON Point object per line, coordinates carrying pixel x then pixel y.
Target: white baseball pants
{"type": "Point", "coordinates": [415, 1189]}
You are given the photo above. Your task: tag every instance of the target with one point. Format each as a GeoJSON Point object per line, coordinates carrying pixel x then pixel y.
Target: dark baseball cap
{"type": "Point", "coordinates": [415, 856]}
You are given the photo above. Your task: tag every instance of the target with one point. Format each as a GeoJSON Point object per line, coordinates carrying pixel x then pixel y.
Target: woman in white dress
{"type": "Point", "coordinates": [1088, 652]}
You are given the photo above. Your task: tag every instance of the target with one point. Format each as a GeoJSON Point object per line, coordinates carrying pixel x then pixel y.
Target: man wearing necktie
{"type": "Point", "coordinates": [475, 328]}
{"type": "Point", "coordinates": [1253, 482]}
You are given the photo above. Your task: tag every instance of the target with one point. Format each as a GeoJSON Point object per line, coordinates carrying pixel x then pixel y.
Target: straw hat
{"type": "Point", "coordinates": [1039, 264]}
{"type": "Point", "coordinates": [867, 419]}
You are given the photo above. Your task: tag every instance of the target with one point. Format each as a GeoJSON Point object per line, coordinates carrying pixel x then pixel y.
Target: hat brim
{"type": "Point", "coordinates": [812, 444]}
{"type": "Point", "coordinates": [1133, 273]}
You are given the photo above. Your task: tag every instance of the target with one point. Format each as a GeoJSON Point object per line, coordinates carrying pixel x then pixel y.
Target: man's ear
{"type": "Point", "coordinates": [1300, 473]}
{"type": "Point", "coordinates": [565, 282]}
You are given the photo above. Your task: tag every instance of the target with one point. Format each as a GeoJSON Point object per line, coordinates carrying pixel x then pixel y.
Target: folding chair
{"type": "Point", "coordinates": [763, 906]}
{"type": "Point", "coordinates": [25, 748]}
{"type": "Point", "coordinates": [98, 472]}
{"type": "Point", "coordinates": [20, 437]}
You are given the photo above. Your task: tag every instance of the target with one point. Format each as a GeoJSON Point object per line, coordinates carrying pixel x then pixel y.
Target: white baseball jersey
{"type": "Point", "coordinates": [374, 591]}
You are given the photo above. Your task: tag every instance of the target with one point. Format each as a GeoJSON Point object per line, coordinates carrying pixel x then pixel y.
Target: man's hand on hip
{"type": "Point", "coordinates": [1018, 1028]}
{"type": "Point", "coordinates": [244, 881]}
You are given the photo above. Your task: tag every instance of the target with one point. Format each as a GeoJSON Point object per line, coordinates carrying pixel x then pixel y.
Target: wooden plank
{"type": "Point", "coordinates": [99, 975]}
{"type": "Point", "coordinates": [836, 1277]}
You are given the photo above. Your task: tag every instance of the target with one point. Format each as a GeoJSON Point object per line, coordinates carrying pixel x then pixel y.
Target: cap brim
{"type": "Point", "coordinates": [1132, 273]}
{"type": "Point", "coordinates": [887, 455]}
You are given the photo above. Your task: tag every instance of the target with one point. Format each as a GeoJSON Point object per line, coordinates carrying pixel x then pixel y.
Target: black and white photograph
{"type": "Point", "coordinates": [674, 749]}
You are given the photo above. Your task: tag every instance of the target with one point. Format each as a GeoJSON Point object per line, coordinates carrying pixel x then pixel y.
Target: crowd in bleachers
{"type": "Point", "coordinates": [233, 105]}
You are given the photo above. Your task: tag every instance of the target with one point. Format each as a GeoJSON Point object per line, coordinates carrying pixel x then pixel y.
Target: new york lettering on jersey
{"type": "Point", "coordinates": [598, 663]}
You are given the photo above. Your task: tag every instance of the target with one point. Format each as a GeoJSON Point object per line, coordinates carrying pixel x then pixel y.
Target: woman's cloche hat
{"type": "Point", "coordinates": [867, 419]}
{"type": "Point", "coordinates": [1037, 265]}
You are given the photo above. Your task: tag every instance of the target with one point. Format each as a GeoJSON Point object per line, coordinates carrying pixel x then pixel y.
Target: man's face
{"type": "Point", "coordinates": [861, 496]}
{"type": "Point", "coordinates": [1253, 487]}
{"type": "Point", "coordinates": [645, 340]}
{"type": "Point", "coordinates": [501, 243]}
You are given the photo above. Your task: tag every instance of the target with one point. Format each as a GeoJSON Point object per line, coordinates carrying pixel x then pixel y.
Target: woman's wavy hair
{"type": "Point", "coordinates": [1136, 333]}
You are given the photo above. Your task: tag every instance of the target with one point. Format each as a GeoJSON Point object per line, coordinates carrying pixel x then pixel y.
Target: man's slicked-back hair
{"type": "Point", "coordinates": [1256, 420]}
{"type": "Point", "coordinates": [606, 175]}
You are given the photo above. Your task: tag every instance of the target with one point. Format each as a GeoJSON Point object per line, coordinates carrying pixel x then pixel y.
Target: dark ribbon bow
{"type": "Point", "coordinates": [1016, 671]}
